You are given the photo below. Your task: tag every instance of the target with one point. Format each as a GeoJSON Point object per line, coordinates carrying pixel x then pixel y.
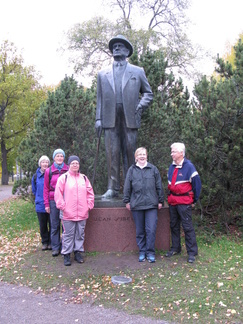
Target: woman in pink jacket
{"type": "Point", "coordinates": [74, 196]}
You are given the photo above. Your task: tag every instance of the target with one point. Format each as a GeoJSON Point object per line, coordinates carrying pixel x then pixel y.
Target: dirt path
{"type": "Point", "coordinates": [5, 192]}
{"type": "Point", "coordinates": [21, 305]}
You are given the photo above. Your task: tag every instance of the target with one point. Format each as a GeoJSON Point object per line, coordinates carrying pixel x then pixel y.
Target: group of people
{"type": "Point", "coordinates": [62, 195]}
{"type": "Point", "coordinates": [62, 192]}
{"type": "Point", "coordinates": [144, 195]}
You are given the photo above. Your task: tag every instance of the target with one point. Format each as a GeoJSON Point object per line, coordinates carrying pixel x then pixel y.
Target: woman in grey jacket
{"type": "Point", "coordinates": [144, 195]}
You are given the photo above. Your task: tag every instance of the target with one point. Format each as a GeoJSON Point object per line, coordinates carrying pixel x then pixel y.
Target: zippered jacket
{"type": "Point", "coordinates": [49, 185]}
{"type": "Point", "coordinates": [37, 186]}
{"type": "Point", "coordinates": [184, 184]}
{"type": "Point", "coordinates": [74, 196]}
{"type": "Point", "coordinates": [143, 187]}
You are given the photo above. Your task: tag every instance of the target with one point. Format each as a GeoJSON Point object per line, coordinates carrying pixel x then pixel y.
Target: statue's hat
{"type": "Point", "coordinates": [121, 39]}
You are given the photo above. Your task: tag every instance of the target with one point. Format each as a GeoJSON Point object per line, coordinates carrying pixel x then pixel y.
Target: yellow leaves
{"type": "Point", "coordinates": [220, 284]}
{"type": "Point", "coordinates": [12, 252]}
{"type": "Point", "coordinates": [126, 301]}
{"type": "Point", "coordinates": [96, 286]}
{"type": "Point", "coordinates": [230, 312]}
{"type": "Point", "coordinates": [195, 315]}
{"type": "Point", "coordinates": [177, 302]}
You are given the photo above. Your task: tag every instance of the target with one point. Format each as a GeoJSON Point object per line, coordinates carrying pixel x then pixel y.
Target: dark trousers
{"type": "Point", "coordinates": [146, 225]}
{"type": "Point", "coordinates": [119, 141]}
{"type": "Point", "coordinates": [182, 214]}
{"type": "Point", "coordinates": [55, 226]}
{"type": "Point", "coordinates": [45, 227]}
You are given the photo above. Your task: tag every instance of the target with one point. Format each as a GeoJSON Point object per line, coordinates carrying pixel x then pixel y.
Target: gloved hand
{"type": "Point", "coordinates": [98, 128]}
{"type": "Point", "coordinates": [138, 115]}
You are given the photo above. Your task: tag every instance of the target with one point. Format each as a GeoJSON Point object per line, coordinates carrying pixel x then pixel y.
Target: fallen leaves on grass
{"type": "Point", "coordinates": [12, 252]}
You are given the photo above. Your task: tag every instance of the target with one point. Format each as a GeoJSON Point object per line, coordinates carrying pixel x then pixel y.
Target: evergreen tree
{"type": "Point", "coordinates": [67, 121]}
{"type": "Point", "coordinates": [218, 136]}
{"type": "Point", "coordinates": [163, 122]}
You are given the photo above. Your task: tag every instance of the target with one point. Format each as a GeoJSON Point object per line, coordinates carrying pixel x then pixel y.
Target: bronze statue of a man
{"type": "Point", "coordinates": [123, 93]}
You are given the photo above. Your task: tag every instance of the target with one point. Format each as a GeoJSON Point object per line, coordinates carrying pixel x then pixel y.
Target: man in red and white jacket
{"type": "Point", "coordinates": [184, 187]}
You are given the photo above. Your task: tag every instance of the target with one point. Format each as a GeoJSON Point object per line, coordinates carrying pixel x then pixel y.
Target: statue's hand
{"type": "Point", "coordinates": [98, 128]}
{"type": "Point", "coordinates": [139, 110]}
{"type": "Point", "coordinates": [138, 115]}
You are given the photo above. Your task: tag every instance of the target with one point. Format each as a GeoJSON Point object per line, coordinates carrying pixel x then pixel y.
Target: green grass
{"type": "Point", "coordinates": [17, 216]}
{"type": "Point", "coordinates": [208, 291]}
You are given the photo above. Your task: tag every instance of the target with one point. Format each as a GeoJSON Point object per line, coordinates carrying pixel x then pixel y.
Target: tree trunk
{"type": "Point", "coordinates": [4, 164]}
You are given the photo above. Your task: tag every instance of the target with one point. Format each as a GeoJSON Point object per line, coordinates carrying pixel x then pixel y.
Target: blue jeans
{"type": "Point", "coordinates": [55, 226]}
{"type": "Point", "coordinates": [146, 225]}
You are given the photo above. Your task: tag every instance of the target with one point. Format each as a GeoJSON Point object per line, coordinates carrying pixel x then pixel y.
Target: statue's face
{"type": "Point", "coordinates": [120, 50]}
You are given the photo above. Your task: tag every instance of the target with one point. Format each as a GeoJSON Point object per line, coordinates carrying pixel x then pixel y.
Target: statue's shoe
{"type": "Point", "coordinates": [110, 193]}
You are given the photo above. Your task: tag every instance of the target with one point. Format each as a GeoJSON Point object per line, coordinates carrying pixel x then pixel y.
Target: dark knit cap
{"type": "Point", "coordinates": [73, 158]}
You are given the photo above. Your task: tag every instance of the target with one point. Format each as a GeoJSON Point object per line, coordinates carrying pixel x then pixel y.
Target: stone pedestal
{"type": "Point", "coordinates": [112, 229]}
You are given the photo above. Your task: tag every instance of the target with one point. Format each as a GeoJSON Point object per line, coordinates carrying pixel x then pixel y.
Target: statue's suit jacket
{"type": "Point", "coordinates": [136, 92]}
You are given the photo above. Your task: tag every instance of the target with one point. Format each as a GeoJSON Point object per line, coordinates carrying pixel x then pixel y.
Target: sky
{"type": "Point", "coordinates": [37, 30]}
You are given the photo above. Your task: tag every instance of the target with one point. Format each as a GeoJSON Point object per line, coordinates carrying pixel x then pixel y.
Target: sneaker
{"type": "Point", "coordinates": [55, 253]}
{"type": "Point", "coordinates": [141, 257]}
{"type": "Point", "coordinates": [78, 257]}
{"type": "Point", "coordinates": [191, 259]}
{"type": "Point", "coordinates": [49, 247]}
{"type": "Point", "coordinates": [151, 258]}
{"type": "Point", "coordinates": [44, 247]}
{"type": "Point", "coordinates": [67, 261]}
{"type": "Point", "coordinates": [171, 253]}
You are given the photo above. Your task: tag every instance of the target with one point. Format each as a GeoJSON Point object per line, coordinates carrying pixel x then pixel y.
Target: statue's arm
{"type": "Point", "coordinates": [146, 92]}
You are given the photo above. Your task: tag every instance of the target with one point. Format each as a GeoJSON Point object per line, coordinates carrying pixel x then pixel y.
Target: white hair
{"type": "Point", "coordinates": [44, 158]}
{"type": "Point", "coordinates": [180, 147]}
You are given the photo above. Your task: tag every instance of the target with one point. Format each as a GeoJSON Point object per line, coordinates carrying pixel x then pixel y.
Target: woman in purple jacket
{"type": "Point", "coordinates": [50, 180]}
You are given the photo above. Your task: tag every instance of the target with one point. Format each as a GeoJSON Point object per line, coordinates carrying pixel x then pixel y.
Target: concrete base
{"type": "Point", "coordinates": [113, 230]}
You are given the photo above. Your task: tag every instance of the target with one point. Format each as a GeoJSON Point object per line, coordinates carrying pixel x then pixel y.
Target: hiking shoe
{"type": "Point", "coordinates": [151, 258]}
{"type": "Point", "coordinates": [44, 247]}
{"type": "Point", "coordinates": [55, 253]}
{"type": "Point", "coordinates": [67, 261]}
{"type": "Point", "coordinates": [78, 257]}
{"type": "Point", "coordinates": [141, 257]}
{"type": "Point", "coordinates": [170, 253]}
{"type": "Point", "coordinates": [191, 259]}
